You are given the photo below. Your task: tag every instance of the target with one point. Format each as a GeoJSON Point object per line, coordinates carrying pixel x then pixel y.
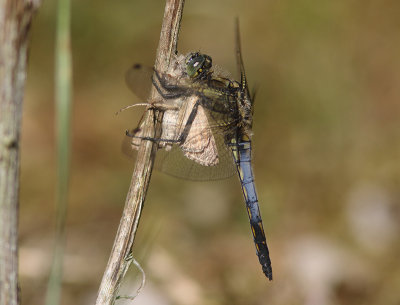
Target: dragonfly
{"type": "Point", "coordinates": [207, 126]}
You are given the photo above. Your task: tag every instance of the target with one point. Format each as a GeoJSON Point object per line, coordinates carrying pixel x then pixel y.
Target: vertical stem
{"type": "Point", "coordinates": [118, 263]}
{"type": "Point", "coordinates": [15, 20]}
{"type": "Point", "coordinates": [63, 92]}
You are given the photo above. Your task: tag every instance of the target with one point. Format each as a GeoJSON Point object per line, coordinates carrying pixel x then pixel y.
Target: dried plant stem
{"type": "Point", "coordinates": [118, 262]}
{"type": "Point", "coordinates": [15, 20]}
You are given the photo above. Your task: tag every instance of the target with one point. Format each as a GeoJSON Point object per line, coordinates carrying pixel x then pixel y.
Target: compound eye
{"type": "Point", "coordinates": [191, 56]}
{"type": "Point", "coordinates": [198, 65]}
{"type": "Point", "coordinates": [194, 63]}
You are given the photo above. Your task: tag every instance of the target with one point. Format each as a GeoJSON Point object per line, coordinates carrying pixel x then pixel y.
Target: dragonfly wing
{"type": "Point", "coordinates": [239, 60]}
{"type": "Point", "coordinates": [175, 163]}
{"type": "Point", "coordinates": [203, 155]}
{"type": "Point", "coordinates": [200, 144]}
{"type": "Point", "coordinates": [184, 162]}
{"type": "Point", "coordinates": [168, 135]}
{"type": "Point", "coordinates": [138, 79]}
{"type": "Point", "coordinates": [169, 129]}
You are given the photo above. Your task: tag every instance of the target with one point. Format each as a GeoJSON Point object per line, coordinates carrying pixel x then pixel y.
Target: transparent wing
{"type": "Point", "coordinates": [200, 145]}
{"type": "Point", "coordinates": [195, 152]}
{"type": "Point", "coordinates": [178, 163]}
{"type": "Point", "coordinates": [239, 59]}
{"type": "Point", "coordinates": [175, 163]}
{"type": "Point", "coordinates": [138, 79]}
{"type": "Point", "coordinates": [202, 154]}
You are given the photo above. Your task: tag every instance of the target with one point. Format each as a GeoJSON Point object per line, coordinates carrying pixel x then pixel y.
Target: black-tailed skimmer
{"type": "Point", "coordinates": [207, 119]}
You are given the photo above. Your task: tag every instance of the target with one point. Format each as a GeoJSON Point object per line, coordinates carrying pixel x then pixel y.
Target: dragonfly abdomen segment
{"type": "Point", "coordinates": [242, 156]}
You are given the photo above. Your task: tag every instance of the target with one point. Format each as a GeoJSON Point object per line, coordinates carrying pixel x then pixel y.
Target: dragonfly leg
{"type": "Point", "coordinates": [164, 83]}
{"type": "Point", "coordinates": [173, 91]}
{"type": "Point", "coordinates": [189, 123]}
{"type": "Point", "coordinates": [133, 135]}
{"type": "Point", "coordinates": [168, 96]}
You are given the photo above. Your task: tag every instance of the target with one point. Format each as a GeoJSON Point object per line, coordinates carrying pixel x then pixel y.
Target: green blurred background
{"type": "Point", "coordinates": [326, 158]}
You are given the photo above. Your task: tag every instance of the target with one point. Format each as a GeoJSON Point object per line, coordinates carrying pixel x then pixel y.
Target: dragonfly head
{"type": "Point", "coordinates": [198, 65]}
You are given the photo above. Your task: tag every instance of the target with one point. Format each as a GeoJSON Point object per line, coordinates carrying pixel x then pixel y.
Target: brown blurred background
{"type": "Point", "coordinates": [326, 159]}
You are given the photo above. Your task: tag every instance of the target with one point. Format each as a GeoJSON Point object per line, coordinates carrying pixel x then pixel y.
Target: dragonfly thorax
{"type": "Point", "coordinates": [246, 112]}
